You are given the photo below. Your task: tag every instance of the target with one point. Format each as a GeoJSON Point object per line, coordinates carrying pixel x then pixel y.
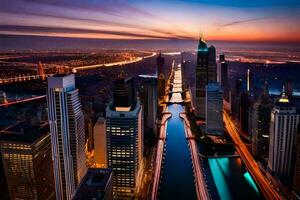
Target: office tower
{"type": "Point", "coordinates": [289, 87]}
{"type": "Point", "coordinates": [249, 82]}
{"type": "Point", "coordinates": [212, 57]}
{"type": "Point", "coordinates": [40, 71]}
{"type": "Point", "coordinates": [123, 92]}
{"type": "Point", "coordinates": [206, 72]}
{"type": "Point", "coordinates": [283, 129]}
{"type": "Point", "coordinates": [124, 132]}
{"type": "Point", "coordinates": [260, 125]}
{"type": "Point", "coordinates": [100, 154]}
{"type": "Point", "coordinates": [3, 98]}
{"type": "Point", "coordinates": [161, 77]}
{"type": "Point", "coordinates": [66, 122]}
{"type": "Point", "coordinates": [244, 111]}
{"type": "Point", "coordinates": [95, 185]}
{"type": "Point", "coordinates": [26, 158]}
{"type": "Point", "coordinates": [214, 109]}
{"type": "Point", "coordinates": [149, 101]}
{"type": "Point", "coordinates": [296, 181]}
{"type": "Point", "coordinates": [235, 97]}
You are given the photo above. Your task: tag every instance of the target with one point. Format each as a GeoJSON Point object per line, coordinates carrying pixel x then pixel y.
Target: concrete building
{"type": "Point", "coordinates": [100, 154]}
{"type": "Point", "coordinates": [66, 122]}
{"type": "Point", "coordinates": [214, 109]}
{"type": "Point", "coordinates": [26, 158]}
{"type": "Point", "coordinates": [283, 129]}
{"type": "Point", "coordinates": [95, 185]}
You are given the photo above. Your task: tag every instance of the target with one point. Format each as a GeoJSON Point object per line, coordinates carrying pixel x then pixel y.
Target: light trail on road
{"type": "Point", "coordinates": [267, 189]}
{"type": "Point", "coordinates": [22, 101]}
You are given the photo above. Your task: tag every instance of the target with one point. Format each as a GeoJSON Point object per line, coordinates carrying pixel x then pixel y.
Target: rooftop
{"type": "Point", "coordinates": [22, 132]}
{"type": "Point", "coordinates": [94, 184]}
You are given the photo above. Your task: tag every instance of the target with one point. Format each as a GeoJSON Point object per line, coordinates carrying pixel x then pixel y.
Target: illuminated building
{"type": "Point", "coordinates": [283, 129]}
{"type": "Point", "coordinates": [40, 71]}
{"type": "Point", "coordinates": [214, 109]}
{"type": "Point", "coordinates": [26, 158]}
{"type": "Point", "coordinates": [66, 122]}
{"type": "Point", "coordinates": [95, 185]}
{"type": "Point", "coordinates": [249, 82]}
{"type": "Point", "coordinates": [124, 132]}
{"type": "Point", "coordinates": [100, 155]}
{"type": "Point", "coordinates": [260, 125]}
{"type": "Point", "coordinates": [206, 72]}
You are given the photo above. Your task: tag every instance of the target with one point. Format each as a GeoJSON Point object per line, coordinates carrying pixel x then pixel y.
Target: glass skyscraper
{"type": "Point", "coordinates": [66, 122]}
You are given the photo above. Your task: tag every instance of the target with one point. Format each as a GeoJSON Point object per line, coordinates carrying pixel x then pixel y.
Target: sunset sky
{"type": "Point", "coordinates": [237, 20]}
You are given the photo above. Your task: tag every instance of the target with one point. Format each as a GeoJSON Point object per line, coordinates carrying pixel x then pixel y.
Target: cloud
{"type": "Point", "coordinates": [240, 22]}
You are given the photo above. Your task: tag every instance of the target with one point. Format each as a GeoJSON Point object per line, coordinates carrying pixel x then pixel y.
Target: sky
{"type": "Point", "coordinates": [225, 20]}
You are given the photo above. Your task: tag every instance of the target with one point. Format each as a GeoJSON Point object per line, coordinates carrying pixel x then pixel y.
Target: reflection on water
{"type": "Point", "coordinates": [228, 179]}
{"type": "Point", "coordinates": [177, 181]}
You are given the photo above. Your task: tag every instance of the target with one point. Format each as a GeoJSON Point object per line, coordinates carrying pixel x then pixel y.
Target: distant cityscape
{"type": "Point", "coordinates": [166, 126]}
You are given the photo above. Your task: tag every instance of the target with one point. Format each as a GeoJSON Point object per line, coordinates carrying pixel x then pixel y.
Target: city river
{"type": "Point", "coordinates": [177, 179]}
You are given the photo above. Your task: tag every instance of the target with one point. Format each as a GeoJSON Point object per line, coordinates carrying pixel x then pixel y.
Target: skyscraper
{"type": "Point", "coordinates": [206, 72]}
{"type": "Point", "coordinates": [214, 109]}
{"type": "Point", "coordinates": [26, 157]}
{"type": "Point", "coordinates": [244, 111]}
{"type": "Point", "coordinates": [123, 92]}
{"type": "Point", "coordinates": [149, 101]}
{"type": "Point", "coordinates": [283, 129]}
{"type": "Point", "coordinates": [124, 132]}
{"type": "Point", "coordinates": [260, 125]}
{"type": "Point", "coordinates": [249, 82]}
{"type": "Point", "coordinates": [289, 87]}
{"type": "Point", "coordinates": [3, 98]}
{"type": "Point", "coordinates": [66, 122]}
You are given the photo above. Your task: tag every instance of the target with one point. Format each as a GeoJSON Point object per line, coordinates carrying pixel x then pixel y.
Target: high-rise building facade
{"type": "Point", "coordinates": [249, 82]}
{"type": "Point", "coordinates": [66, 122]}
{"type": "Point", "coordinates": [206, 72]}
{"type": "Point", "coordinates": [26, 157]}
{"type": "Point", "coordinates": [283, 129]}
{"type": "Point", "coordinates": [124, 132]}
{"type": "Point", "coordinates": [214, 109]}
{"type": "Point", "coordinates": [100, 154]}
{"type": "Point", "coordinates": [149, 101]}
{"type": "Point", "coordinates": [260, 126]}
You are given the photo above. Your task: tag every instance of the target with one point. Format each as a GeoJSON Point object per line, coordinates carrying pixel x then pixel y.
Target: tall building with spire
{"type": "Point", "coordinates": [66, 122]}
{"type": "Point", "coordinates": [283, 130]}
{"type": "Point", "coordinates": [206, 72]}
